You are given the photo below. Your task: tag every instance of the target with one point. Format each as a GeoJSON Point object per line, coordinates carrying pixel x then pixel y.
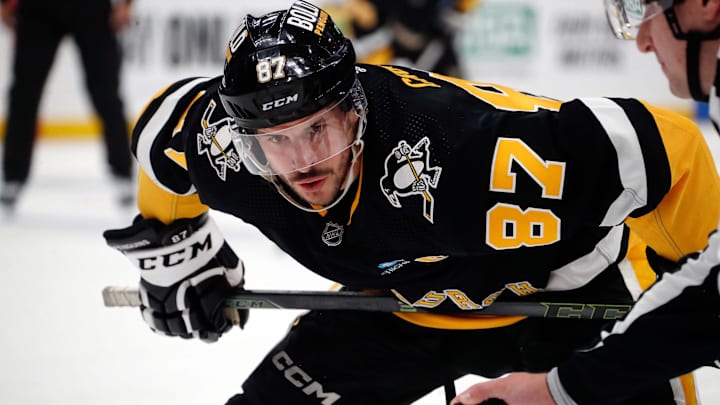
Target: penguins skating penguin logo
{"type": "Point", "coordinates": [408, 173]}
{"type": "Point", "coordinates": [215, 141]}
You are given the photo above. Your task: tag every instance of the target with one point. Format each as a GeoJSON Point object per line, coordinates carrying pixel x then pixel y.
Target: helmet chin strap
{"type": "Point", "coordinates": [694, 41]}
{"type": "Point", "coordinates": [692, 65]}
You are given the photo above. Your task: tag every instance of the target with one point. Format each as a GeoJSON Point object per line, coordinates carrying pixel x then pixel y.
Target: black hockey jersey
{"type": "Point", "coordinates": [469, 192]}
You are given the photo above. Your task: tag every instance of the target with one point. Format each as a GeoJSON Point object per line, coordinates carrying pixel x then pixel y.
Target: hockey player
{"type": "Point", "coordinates": [447, 193]}
{"type": "Point", "coordinates": [675, 326]}
{"type": "Point", "coordinates": [414, 33]}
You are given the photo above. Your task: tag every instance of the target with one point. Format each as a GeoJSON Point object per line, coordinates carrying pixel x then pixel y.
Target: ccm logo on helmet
{"type": "Point", "coordinates": [280, 102]}
{"type": "Point", "coordinates": [308, 17]}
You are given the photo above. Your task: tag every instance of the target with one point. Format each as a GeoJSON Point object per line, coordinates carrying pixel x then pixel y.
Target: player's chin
{"type": "Point", "coordinates": [319, 197]}
{"type": "Point", "coordinates": [316, 198]}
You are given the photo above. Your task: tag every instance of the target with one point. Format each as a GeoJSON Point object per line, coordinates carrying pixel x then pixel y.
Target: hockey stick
{"type": "Point", "coordinates": [333, 300]}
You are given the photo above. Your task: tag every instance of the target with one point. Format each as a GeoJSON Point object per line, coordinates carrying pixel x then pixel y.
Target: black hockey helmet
{"type": "Point", "coordinates": [285, 65]}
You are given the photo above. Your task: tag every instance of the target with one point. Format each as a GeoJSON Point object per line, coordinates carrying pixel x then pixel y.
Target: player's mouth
{"type": "Point", "coordinates": [311, 184]}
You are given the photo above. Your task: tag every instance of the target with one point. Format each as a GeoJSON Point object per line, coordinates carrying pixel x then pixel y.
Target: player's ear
{"type": "Point", "coordinates": [711, 12]}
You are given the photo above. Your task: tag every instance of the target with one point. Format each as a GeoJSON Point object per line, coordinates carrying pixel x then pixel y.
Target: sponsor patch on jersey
{"type": "Point", "coordinates": [216, 143]}
{"type": "Point", "coordinates": [430, 259]}
{"type": "Point", "coordinates": [332, 234]}
{"type": "Point", "coordinates": [391, 266]}
{"type": "Point", "coordinates": [408, 174]}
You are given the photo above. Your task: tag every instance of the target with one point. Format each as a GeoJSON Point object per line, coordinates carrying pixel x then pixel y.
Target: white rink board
{"type": "Point", "coordinates": [558, 48]}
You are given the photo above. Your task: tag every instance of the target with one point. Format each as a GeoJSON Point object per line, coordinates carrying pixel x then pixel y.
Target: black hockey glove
{"type": "Point", "coordinates": [186, 271]}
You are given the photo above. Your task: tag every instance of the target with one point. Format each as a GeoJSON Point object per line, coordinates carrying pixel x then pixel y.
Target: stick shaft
{"type": "Point", "coordinates": [345, 300]}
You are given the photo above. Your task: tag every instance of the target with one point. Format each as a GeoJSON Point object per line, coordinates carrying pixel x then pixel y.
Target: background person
{"type": "Point", "coordinates": [39, 27]}
{"type": "Point", "coordinates": [412, 33]}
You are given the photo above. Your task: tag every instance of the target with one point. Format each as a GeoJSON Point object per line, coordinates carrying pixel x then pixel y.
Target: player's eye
{"type": "Point", "coordinates": [316, 131]}
{"type": "Point", "coordinates": [276, 139]}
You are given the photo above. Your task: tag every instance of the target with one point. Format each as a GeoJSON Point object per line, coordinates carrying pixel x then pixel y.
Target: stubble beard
{"type": "Point", "coordinates": [334, 182]}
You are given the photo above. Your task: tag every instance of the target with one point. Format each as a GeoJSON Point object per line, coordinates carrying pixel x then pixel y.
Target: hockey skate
{"type": "Point", "coordinates": [9, 194]}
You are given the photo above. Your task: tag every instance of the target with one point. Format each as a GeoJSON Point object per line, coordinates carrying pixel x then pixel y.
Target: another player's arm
{"type": "Point", "coordinates": [680, 311]}
{"type": "Point", "coordinates": [688, 212]}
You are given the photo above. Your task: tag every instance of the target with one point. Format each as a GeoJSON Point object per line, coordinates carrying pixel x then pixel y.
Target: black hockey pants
{"type": "Point", "coordinates": [357, 357]}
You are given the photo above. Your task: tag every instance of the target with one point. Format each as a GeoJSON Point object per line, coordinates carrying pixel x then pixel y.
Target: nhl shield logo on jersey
{"type": "Point", "coordinates": [408, 173]}
{"type": "Point", "coordinates": [215, 141]}
{"type": "Point", "coordinates": [332, 234]}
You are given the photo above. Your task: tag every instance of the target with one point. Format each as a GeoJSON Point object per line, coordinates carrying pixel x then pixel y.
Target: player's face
{"type": "Point", "coordinates": [312, 155]}
{"type": "Point", "coordinates": [655, 35]}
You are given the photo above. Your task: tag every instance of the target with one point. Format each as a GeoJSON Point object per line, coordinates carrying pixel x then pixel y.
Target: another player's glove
{"type": "Point", "coordinates": [186, 271]}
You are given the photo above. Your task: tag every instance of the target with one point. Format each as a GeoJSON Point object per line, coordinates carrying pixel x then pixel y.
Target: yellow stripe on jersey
{"type": "Point", "coordinates": [682, 221]}
{"type": "Point", "coordinates": [458, 322]}
{"type": "Point", "coordinates": [636, 255]}
{"type": "Point", "coordinates": [181, 121]}
{"type": "Point", "coordinates": [177, 157]}
{"type": "Point", "coordinates": [502, 97]}
{"type": "Point", "coordinates": [155, 202]}
{"type": "Point", "coordinates": [154, 97]}
{"type": "Point", "coordinates": [687, 382]}
{"type": "Point", "coordinates": [684, 390]}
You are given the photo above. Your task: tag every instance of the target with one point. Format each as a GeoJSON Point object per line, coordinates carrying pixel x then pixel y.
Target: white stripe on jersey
{"type": "Point", "coordinates": [714, 106]}
{"type": "Point", "coordinates": [631, 164]}
{"type": "Point", "coordinates": [714, 102]}
{"type": "Point", "coordinates": [582, 270]}
{"type": "Point", "coordinates": [630, 277]}
{"type": "Point", "coordinates": [153, 127]}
